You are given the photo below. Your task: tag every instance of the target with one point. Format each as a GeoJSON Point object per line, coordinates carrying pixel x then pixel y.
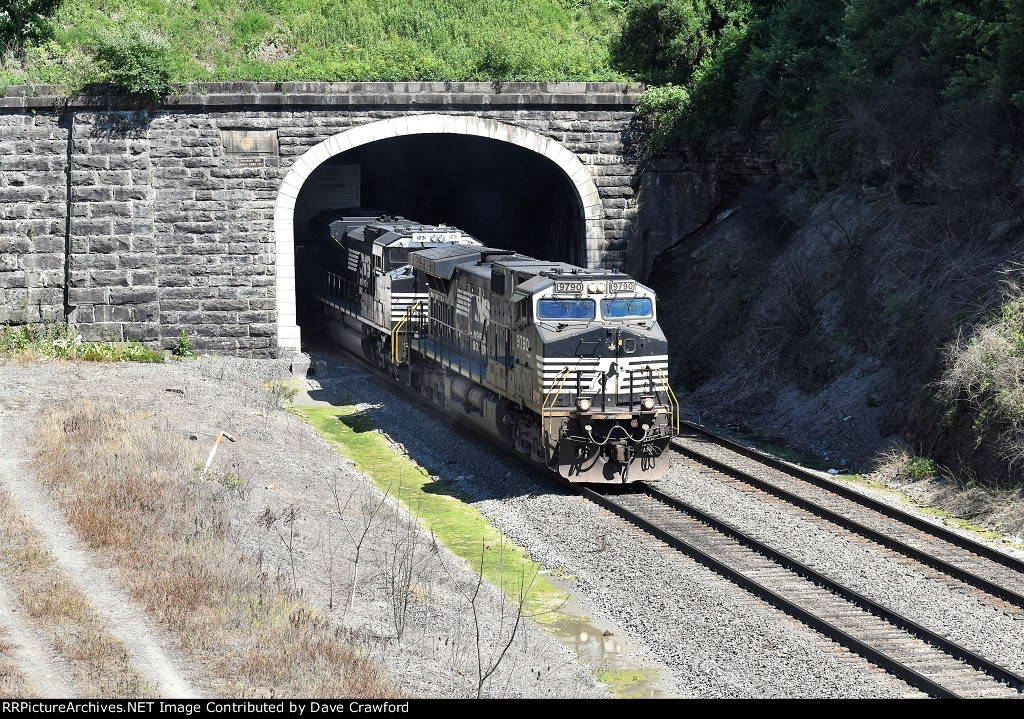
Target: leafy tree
{"type": "Point", "coordinates": [23, 21]}
{"type": "Point", "coordinates": [669, 40]}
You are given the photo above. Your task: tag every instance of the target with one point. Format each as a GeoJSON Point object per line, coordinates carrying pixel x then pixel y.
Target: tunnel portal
{"type": "Point", "coordinates": [504, 195]}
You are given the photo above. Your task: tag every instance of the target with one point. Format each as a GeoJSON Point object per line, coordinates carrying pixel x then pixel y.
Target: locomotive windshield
{"type": "Point", "coordinates": [637, 307]}
{"type": "Point", "coordinates": [565, 309]}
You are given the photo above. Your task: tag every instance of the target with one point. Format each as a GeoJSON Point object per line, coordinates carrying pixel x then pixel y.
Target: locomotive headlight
{"type": "Point", "coordinates": [647, 403]}
{"type": "Point", "coordinates": [583, 404]}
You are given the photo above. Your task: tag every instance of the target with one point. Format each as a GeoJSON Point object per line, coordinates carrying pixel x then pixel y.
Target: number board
{"type": "Point", "coordinates": [436, 236]}
{"type": "Point", "coordinates": [624, 286]}
{"type": "Point", "coordinates": [574, 288]}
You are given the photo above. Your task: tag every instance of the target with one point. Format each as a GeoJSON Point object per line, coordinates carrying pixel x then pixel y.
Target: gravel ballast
{"type": "Point", "coordinates": [714, 639]}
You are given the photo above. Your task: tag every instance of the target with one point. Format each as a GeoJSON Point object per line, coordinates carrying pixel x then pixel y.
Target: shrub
{"type": "Point", "coordinates": [986, 371]}
{"type": "Point", "coordinates": [662, 109]}
{"type": "Point", "coordinates": [670, 40]}
{"type": "Point", "coordinates": [918, 468]}
{"type": "Point", "coordinates": [135, 60]}
{"type": "Point", "coordinates": [982, 385]}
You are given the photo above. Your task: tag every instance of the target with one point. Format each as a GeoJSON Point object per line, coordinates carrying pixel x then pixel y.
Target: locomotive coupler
{"type": "Point", "coordinates": [619, 453]}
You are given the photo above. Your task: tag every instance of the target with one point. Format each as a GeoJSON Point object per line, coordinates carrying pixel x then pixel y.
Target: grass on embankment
{"type": "Point", "coordinates": [100, 663]}
{"type": "Point", "coordinates": [131, 489]}
{"type": "Point", "coordinates": [456, 524]}
{"type": "Point", "coordinates": [53, 341]}
{"type": "Point", "coordinates": [947, 517]}
{"type": "Point", "coordinates": [903, 465]}
{"type": "Point", "coordinates": [289, 40]}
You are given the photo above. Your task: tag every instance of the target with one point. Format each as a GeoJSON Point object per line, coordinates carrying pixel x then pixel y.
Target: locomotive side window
{"type": "Point", "coordinates": [522, 312]}
{"type": "Point", "coordinates": [565, 309]}
{"type": "Point", "coordinates": [398, 256]}
{"type": "Point", "coordinates": [637, 307]}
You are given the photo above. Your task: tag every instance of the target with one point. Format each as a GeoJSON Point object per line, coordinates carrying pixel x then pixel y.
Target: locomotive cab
{"type": "Point", "coordinates": [607, 410]}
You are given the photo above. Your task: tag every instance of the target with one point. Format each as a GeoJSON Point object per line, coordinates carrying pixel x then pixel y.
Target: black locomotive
{"type": "Point", "coordinates": [566, 364]}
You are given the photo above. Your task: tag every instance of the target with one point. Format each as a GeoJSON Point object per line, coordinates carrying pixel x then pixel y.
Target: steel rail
{"type": "Point", "coordinates": [831, 486]}
{"type": "Point", "coordinates": [832, 631]}
{"type": "Point", "coordinates": [853, 525]}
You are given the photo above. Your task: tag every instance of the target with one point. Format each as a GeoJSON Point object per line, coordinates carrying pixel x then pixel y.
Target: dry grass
{"type": "Point", "coordinates": [983, 380]}
{"type": "Point", "coordinates": [133, 489]}
{"type": "Point", "coordinates": [100, 662]}
{"type": "Point", "coordinates": [13, 684]}
{"type": "Point", "coordinates": [988, 511]}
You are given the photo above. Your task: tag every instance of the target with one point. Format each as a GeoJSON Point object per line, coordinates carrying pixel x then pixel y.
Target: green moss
{"type": "Point", "coordinates": [969, 526]}
{"type": "Point", "coordinates": [628, 683]}
{"type": "Point", "coordinates": [458, 525]}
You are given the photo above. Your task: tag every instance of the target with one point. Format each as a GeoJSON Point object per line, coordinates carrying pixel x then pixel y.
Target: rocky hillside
{"type": "Point", "coordinates": [831, 320]}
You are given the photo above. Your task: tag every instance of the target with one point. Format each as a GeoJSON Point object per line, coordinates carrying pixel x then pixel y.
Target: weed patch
{"type": "Point", "coordinates": [29, 342]}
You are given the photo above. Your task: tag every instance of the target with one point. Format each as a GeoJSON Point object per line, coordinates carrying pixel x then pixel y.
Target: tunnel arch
{"type": "Point", "coordinates": [288, 336]}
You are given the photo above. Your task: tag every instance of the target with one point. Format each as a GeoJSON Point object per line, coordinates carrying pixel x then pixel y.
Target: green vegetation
{"type": "Point", "coordinates": [283, 391]}
{"type": "Point", "coordinates": [25, 342]}
{"type": "Point", "coordinates": [455, 523]}
{"type": "Point", "coordinates": [982, 385]}
{"type": "Point", "coordinates": [947, 518]}
{"type": "Point", "coordinates": [25, 21]}
{"type": "Point", "coordinates": [833, 76]}
{"type": "Point", "coordinates": [918, 468]}
{"type": "Point", "coordinates": [629, 683]}
{"type": "Point", "coordinates": [666, 41]}
{"type": "Point", "coordinates": [286, 40]}
{"type": "Point", "coordinates": [135, 60]}
{"type": "Point", "coordinates": [183, 349]}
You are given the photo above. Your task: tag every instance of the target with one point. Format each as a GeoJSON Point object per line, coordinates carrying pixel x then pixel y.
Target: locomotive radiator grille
{"type": "Point", "coordinates": [402, 302]}
{"type": "Point", "coordinates": [632, 371]}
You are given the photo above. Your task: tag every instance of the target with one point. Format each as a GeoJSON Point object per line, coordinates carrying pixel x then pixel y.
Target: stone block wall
{"type": "Point", "coordinates": [171, 211]}
{"type": "Point", "coordinates": [113, 292]}
{"type": "Point", "coordinates": [33, 214]}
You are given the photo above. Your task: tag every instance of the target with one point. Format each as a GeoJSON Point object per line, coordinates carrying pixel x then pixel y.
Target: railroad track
{"type": "Point", "coordinates": [922, 658]}
{"type": "Point", "coordinates": [994, 573]}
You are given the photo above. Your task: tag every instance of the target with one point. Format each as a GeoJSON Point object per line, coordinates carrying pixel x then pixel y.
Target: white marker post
{"type": "Point", "coordinates": [216, 443]}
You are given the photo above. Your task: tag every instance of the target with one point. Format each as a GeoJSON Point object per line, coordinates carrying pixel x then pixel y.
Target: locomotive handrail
{"type": "Point", "coordinates": [398, 328]}
{"type": "Point", "coordinates": [563, 373]}
{"type": "Point", "coordinates": [673, 402]}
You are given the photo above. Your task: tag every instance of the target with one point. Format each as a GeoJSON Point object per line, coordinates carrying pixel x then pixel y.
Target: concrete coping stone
{"type": "Point", "coordinates": [339, 94]}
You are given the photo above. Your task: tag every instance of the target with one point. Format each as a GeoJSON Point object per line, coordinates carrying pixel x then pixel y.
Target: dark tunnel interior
{"type": "Point", "coordinates": [504, 195]}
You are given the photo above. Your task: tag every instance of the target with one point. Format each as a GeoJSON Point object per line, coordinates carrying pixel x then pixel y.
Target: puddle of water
{"type": "Point", "coordinates": [601, 647]}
